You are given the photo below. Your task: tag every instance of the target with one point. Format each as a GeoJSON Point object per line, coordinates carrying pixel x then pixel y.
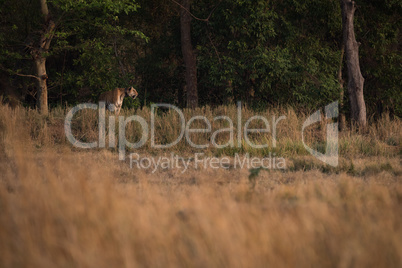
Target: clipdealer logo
{"type": "Point", "coordinates": [185, 129]}
{"type": "Point", "coordinates": [331, 155]}
{"type": "Point", "coordinates": [242, 132]}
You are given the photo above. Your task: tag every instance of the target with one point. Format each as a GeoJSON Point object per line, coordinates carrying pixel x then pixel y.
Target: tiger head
{"type": "Point", "coordinates": [131, 92]}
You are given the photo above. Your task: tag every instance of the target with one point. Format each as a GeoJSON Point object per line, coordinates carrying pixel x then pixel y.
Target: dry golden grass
{"type": "Point", "coordinates": [62, 207]}
{"type": "Point", "coordinates": [382, 138]}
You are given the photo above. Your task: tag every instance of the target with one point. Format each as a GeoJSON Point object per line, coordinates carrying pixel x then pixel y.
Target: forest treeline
{"type": "Point", "coordinates": [264, 53]}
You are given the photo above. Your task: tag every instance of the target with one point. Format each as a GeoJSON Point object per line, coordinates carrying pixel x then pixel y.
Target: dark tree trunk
{"type": "Point", "coordinates": [342, 118]}
{"type": "Point", "coordinates": [355, 78]}
{"type": "Point", "coordinates": [39, 56]}
{"type": "Point", "coordinates": [188, 54]}
{"type": "Point", "coordinates": [41, 101]}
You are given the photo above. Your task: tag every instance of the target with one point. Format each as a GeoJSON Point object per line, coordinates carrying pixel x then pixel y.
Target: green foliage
{"type": "Point", "coordinates": [86, 49]}
{"type": "Point", "coordinates": [378, 28]}
{"type": "Point", "coordinates": [96, 61]}
{"type": "Point", "coordinates": [110, 7]}
{"type": "Point", "coordinates": [264, 53]}
{"type": "Point", "coordinates": [98, 45]}
{"type": "Point", "coordinates": [256, 52]}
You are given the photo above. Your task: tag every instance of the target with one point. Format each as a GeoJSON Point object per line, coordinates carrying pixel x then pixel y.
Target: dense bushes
{"type": "Point", "coordinates": [261, 52]}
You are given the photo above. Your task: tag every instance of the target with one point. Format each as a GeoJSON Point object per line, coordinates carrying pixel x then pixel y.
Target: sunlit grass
{"type": "Point", "coordinates": [65, 207]}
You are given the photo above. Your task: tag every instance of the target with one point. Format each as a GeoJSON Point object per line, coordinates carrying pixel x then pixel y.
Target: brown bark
{"type": "Point", "coordinates": [342, 119]}
{"type": "Point", "coordinates": [189, 56]}
{"type": "Point", "coordinates": [41, 101]}
{"type": "Point", "coordinates": [39, 56]}
{"type": "Point", "coordinates": [355, 78]}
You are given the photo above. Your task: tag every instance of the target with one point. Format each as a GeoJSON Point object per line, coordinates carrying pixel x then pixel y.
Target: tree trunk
{"type": "Point", "coordinates": [41, 101]}
{"type": "Point", "coordinates": [188, 54]}
{"type": "Point", "coordinates": [355, 78]}
{"type": "Point", "coordinates": [39, 56]}
{"type": "Point", "coordinates": [342, 119]}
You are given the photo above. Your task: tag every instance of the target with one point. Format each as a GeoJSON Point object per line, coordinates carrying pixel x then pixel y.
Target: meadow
{"type": "Point", "coordinates": [62, 206]}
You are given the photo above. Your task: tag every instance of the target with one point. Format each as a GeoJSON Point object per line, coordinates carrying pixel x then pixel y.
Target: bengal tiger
{"type": "Point", "coordinates": [114, 98]}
